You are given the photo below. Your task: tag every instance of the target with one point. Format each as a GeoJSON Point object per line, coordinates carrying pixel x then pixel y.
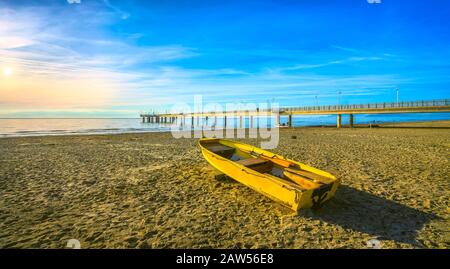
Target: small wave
{"type": "Point", "coordinates": [92, 131]}
{"type": "Point", "coordinates": [26, 132]}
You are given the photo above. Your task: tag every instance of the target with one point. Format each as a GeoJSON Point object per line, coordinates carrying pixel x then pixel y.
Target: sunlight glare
{"type": "Point", "coordinates": [7, 72]}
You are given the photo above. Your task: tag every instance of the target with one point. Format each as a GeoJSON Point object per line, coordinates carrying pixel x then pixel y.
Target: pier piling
{"type": "Point", "coordinates": [339, 121]}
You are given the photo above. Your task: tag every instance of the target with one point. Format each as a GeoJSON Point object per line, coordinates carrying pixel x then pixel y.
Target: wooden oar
{"type": "Point", "coordinates": [301, 181]}
{"type": "Point", "coordinates": [310, 175]}
{"type": "Point", "coordinates": [277, 161]}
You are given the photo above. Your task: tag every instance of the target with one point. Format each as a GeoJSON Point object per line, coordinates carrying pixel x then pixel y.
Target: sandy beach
{"type": "Point", "coordinates": [153, 191]}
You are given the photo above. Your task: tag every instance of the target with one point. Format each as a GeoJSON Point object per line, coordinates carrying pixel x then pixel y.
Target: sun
{"type": "Point", "coordinates": [7, 71]}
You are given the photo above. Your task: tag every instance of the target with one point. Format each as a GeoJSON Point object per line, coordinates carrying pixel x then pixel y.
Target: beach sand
{"type": "Point", "coordinates": [154, 191]}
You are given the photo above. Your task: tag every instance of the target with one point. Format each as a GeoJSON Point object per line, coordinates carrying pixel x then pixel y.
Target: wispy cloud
{"type": "Point", "coordinates": [54, 70]}
{"type": "Point", "coordinates": [74, 1]}
{"type": "Point", "coordinates": [347, 49]}
{"type": "Point", "coordinates": [123, 15]}
{"type": "Point", "coordinates": [328, 63]}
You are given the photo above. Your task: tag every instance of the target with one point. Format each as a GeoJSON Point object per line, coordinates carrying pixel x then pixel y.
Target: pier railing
{"type": "Point", "coordinates": [443, 105]}
{"type": "Point", "coordinates": [412, 104]}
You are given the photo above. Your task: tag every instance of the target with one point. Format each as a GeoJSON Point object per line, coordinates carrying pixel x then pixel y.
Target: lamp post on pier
{"type": "Point", "coordinates": [396, 90]}
{"type": "Point", "coordinates": [339, 98]}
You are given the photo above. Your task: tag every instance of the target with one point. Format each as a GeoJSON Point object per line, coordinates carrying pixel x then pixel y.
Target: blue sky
{"type": "Point", "coordinates": [116, 58]}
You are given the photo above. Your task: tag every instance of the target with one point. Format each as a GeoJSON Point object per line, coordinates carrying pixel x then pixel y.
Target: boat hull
{"type": "Point", "coordinates": [277, 189]}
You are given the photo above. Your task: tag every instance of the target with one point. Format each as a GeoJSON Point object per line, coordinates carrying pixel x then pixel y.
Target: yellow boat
{"type": "Point", "coordinates": [288, 182]}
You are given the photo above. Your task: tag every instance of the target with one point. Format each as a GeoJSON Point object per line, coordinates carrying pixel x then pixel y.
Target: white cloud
{"type": "Point", "coordinates": [57, 67]}
{"type": "Point", "coordinates": [12, 42]}
{"type": "Point", "coordinates": [123, 15]}
{"type": "Point", "coordinates": [328, 63]}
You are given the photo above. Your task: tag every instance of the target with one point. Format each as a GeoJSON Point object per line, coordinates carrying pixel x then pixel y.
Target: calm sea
{"type": "Point", "coordinates": [39, 127]}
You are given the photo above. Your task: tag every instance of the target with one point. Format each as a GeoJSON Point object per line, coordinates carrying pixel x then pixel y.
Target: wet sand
{"type": "Point", "coordinates": [153, 191]}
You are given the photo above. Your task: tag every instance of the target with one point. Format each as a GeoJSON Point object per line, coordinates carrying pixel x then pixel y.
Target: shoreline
{"type": "Point", "coordinates": [445, 124]}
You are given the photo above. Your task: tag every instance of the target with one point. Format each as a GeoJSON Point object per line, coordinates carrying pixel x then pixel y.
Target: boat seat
{"type": "Point", "coordinates": [252, 161]}
{"type": "Point", "coordinates": [257, 164]}
{"type": "Point", "coordinates": [221, 150]}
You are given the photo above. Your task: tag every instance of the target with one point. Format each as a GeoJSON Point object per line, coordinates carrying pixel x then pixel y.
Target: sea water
{"type": "Point", "coordinates": [42, 127]}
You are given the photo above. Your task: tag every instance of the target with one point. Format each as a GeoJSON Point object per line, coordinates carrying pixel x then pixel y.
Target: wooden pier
{"type": "Point", "coordinates": [428, 106]}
